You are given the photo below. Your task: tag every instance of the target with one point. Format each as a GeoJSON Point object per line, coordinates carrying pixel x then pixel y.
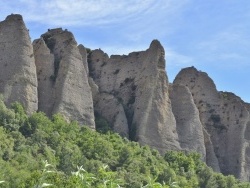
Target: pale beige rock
{"type": "Point", "coordinates": [112, 110]}
{"type": "Point", "coordinates": [245, 172]}
{"type": "Point", "coordinates": [224, 116]}
{"type": "Point", "coordinates": [211, 158]}
{"type": "Point", "coordinates": [71, 93]}
{"type": "Point", "coordinates": [45, 75]}
{"type": "Point", "coordinates": [18, 81]}
{"type": "Point", "coordinates": [237, 116]}
{"type": "Point", "coordinates": [94, 89]}
{"type": "Point", "coordinates": [131, 92]}
{"type": "Point", "coordinates": [84, 55]}
{"type": "Point", "coordinates": [140, 84]}
{"type": "Point", "coordinates": [189, 127]}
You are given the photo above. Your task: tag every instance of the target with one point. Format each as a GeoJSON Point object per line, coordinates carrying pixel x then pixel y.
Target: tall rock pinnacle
{"type": "Point", "coordinates": [131, 92]}
{"type": "Point", "coordinates": [62, 79]}
{"type": "Point", "coordinates": [139, 84]}
{"type": "Point", "coordinates": [18, 81]}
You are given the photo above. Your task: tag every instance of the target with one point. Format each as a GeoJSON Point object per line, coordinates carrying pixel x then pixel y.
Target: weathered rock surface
{"type": "Point", "coordinates": [225, 117]}
{"type": "Point", "coordinates": [189, 126]}
{"type": "Point", "coordinates": [18, 80]}
{"type": "Point", "coordinates": [131, 92]}
{"type": "Point", "coordinates": [45, 71]}
{"type": "Point", "coordinates": [84, 55]}
{"type": "Point", "coordinates": [62, 79]}
{"type": "Point", "coordinates": [138, 83]}
{"type": "Point", "coordinates": [112, 110]}
{"type": "Point", "coordinates": [245, 173]}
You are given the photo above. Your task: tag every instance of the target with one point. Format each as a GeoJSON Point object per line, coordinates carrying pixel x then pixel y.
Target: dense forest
{"type": "Point", "coordinates": [38, 151]}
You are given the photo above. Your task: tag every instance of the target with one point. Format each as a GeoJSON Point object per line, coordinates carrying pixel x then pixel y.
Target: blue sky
{"type": "Point", "coordinates": [212, 35]}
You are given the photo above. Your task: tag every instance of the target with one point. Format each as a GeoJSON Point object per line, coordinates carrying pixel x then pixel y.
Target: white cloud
{"type": "Point", "coordinates": [227, 48]}
{"type": "Point", "coordinates": [176, 59]}
{"type": "Point", "coordinates": [86, 12]}
{"type": "Point", "coordinates": [146, 19]}
{"type": "Point", "coordinates": [223, 39]}
{"type": "Point", "coordinates": [230, 56]}
{"type": "Point", "coordinates": [122, 50]}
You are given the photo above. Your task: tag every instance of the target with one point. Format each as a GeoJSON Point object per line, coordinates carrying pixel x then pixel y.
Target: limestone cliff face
{"type": "Point", "coordinates": [62, 79]}
{"type": "Point", "coordinates": [189, 126]}
{"type": "Point", "coordinates": [18, 81]}
{"type": "Point", "coordinates": [139, 85]}
{"type": "Point", "coordinates": [112, 110]}
{"type": "Point", "coordinates": [245, 173]}
{"type": "Point", "coordinates": [131, 92]}
{"type": "Point", "coordinates": [224, 117]}
{"type": "Point", "coordinates": [84, 55]}
{"type": "Point", "coordinates": [45, 71]}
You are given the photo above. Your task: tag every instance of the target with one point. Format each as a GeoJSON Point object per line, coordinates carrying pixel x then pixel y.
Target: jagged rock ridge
{"type": "Point", "coordinates": [131, 92]}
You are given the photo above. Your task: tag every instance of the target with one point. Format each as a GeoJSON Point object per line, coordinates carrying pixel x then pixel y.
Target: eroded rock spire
{"type": "Point", "coordinates": [18, 81]}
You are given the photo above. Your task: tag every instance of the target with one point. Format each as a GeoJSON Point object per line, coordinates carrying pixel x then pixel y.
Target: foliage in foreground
{"type": "Point", "coordinates": [106, 160]}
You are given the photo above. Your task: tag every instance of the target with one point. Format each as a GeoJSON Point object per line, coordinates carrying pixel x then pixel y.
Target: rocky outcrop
{"type": "Point", "coordinates": [224, 117]}
{"type": "Point", "coordinates": [112, 110]}
{"type": "Point", "coordinates": [45, 72]}
{"type": "Point", "coordinates": [139, 86]}
{"type": "Point", "coordinates": [189, 126]}
{"type": "Point", "coordinates": [62, 79]}
{"type": "Point", "coordinates": [18, 80]}
{"type": "Point", "coordinates": [84, 55]}
{"type": "Point", "coordinates": [245, 172]}
{"type": "Point", "coordinates": [130, 91]}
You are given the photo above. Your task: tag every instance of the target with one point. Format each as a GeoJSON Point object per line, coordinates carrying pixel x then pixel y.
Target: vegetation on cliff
{"type": "Point", "coordinates": [37, 151]}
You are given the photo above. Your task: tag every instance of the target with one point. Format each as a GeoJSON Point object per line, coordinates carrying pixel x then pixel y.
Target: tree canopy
{"type": "Point", "coordinates": [37, 151]}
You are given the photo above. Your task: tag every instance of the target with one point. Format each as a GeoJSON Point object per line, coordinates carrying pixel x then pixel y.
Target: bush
{"type": "Point", "coordinates": [107, 159]}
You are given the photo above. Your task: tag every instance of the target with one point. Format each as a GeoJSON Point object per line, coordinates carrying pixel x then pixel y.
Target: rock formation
{"type": "Point", "coordinates": [189, 126]}
{"type": "Point", "coordinates": [224, 117]}
{"type": "Point", "coordinates": [137, 84]}
{"type": "Point", "coordinates": [130, 91]}
{"type": "Point", "coordinates": [18, 81]}
{"type": "Point", "coordinates": [62, 79]}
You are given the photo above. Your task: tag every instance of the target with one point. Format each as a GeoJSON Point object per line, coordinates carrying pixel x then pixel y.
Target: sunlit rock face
{"type": "Point", "coordinates": [139, 85]}
{"type": "Point", "coordinates": [225, 119]}
{"type": "Point", "coordinates": [131, 92]}
{"type": "Point", "coordinates": [189, 126]}
{"type": "Point", "coordinates": [63, 85]}
{"type": "Point", "coordinates": [18, 81]}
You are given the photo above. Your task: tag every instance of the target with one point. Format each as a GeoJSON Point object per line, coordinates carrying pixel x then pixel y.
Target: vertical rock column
{"type": "Point", "coordinates": [45, 75]}
{"type": "Point", "coordinates": [245, 171]}
{"type": "Point", "coordinates": [153, 116]}
{"type": "Point", "coordinates": [138, 84]}
{"type": "Point", "coordinates": [189, 126]}
{"type": "Point", "coordinates": [62, 79]}
{"type": "Point", "coordinates": [18, 81]}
